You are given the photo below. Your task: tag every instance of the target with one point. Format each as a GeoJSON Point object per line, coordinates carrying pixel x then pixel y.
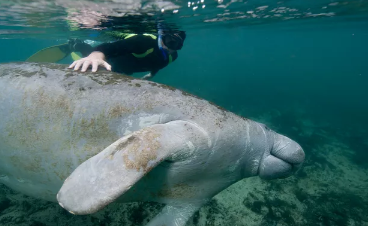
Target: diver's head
{"type": "Point", "coordinates": [174, 41]}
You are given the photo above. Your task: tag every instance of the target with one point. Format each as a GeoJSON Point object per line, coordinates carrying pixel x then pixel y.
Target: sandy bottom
{"type": "Point", "coordinates": [331, 189]}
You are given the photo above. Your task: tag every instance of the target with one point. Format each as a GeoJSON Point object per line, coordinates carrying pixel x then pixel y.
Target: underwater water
{"type": "Point", "coordinates": [300, 67]}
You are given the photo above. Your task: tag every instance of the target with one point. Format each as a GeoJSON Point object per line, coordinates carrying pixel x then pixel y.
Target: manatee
{"type": "Point", "coordinates": [85, 140]}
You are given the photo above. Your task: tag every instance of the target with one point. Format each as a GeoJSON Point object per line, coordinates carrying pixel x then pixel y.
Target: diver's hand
{"type": "Point", "coordinates": [147, 76]}
{"type": "Point", "coordinates": [95, 59]}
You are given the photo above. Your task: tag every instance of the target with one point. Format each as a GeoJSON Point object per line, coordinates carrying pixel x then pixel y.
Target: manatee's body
{"type": "Point", "coordinates": [150, 142]}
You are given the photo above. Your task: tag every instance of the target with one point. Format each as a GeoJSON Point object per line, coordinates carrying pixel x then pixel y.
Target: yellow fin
{"type": "Point", "coordinates": [75, 56]}
{"type": "Point", "coordinates": [50, 54]}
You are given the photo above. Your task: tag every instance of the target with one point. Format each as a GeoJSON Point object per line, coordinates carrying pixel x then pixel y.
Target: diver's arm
{"type": "Point", "coordinates": [100, 54]}
{"type": "Point", "coordinates": [103, 52]}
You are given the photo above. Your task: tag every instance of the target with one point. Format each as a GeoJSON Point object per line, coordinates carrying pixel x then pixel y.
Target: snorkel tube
{"type": "Point", "coordinates": [163, 51]}
{"type": "Point", "coordinates": [160, 38]}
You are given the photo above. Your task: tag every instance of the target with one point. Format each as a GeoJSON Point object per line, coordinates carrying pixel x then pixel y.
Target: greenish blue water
{"type": "Point", "coordinates": [320, 67]}
{"type": "Point", "coordinates": [305, 78]}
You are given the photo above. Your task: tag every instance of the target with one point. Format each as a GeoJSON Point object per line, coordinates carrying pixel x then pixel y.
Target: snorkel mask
{"type": "Point", "coordinates": [173, 41]}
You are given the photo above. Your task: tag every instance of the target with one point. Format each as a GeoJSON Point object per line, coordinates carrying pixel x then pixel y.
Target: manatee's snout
{"type": "Point", "coordinates": [285, 158]}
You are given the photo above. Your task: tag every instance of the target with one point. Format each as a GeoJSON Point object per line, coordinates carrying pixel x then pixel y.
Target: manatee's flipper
{"type": "Point", "coordinates": [51, 54]}
{"type": "Point", "coordinates": [174, 215]}
{"type": "Point", "coordinates": [106, 176]}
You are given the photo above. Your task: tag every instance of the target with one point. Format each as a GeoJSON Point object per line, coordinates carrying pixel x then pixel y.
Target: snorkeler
{"type": "Point", "coordinates": [134, 53]}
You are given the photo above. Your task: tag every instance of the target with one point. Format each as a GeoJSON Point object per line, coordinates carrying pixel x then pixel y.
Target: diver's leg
{"type": "Point", "coordinates": [77, 45]}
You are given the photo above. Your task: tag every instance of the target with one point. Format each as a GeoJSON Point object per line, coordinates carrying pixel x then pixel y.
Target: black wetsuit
{"type": "Point", "coordinates": [125, 56]}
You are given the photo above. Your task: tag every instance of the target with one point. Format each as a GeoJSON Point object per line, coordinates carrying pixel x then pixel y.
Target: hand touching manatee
{"type": "Point", "coordinates": [95, 59]}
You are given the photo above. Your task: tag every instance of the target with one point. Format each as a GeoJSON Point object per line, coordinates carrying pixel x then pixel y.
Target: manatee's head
{"type": "Point", "coordinates": [283, 158]}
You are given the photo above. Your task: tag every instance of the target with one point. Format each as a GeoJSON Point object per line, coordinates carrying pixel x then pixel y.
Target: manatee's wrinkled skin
{"type": "Point", "coordinates": [53, 119]}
